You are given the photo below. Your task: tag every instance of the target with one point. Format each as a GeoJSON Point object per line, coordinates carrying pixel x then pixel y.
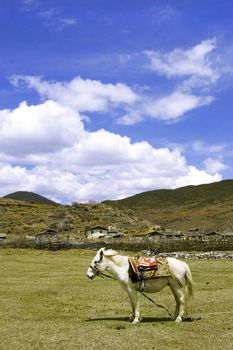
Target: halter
{"type": "Point", "coordinates": [98, 272]}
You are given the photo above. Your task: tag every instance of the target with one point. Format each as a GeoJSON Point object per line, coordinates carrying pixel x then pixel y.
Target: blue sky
{"type": "Point", "coordinates": [104, 99]}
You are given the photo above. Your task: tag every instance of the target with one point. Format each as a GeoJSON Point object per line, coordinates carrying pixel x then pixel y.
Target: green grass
{"type": "Point", "coordinates": [48, 303]}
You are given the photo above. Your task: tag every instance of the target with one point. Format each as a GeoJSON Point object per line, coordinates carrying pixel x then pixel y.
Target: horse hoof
{"type": "Point", "coordinates": [178, 319]}
{"type": "Point", "coordinates": [136, 321]}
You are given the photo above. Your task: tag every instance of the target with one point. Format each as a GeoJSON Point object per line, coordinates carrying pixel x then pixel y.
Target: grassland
{"type": "Point", "coordinates": [48, 303]}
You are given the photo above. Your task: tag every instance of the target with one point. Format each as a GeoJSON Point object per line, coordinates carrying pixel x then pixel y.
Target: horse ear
{"type": "Point", "coordinates": [109, 252]}
{"type": "Point", "coordinates": [101, 254]}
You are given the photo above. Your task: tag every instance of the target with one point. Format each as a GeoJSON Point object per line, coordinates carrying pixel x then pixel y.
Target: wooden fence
{"type": "Point", "coordinates": [174, 245]}
{"type": "Point", "coordinates": [130, 244]}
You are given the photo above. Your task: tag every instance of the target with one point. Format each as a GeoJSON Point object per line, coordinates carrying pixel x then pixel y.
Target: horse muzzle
{"type": "Point", "coordinates": [90, 277]}
{"type": "Point", "coordinates": [90, 273]}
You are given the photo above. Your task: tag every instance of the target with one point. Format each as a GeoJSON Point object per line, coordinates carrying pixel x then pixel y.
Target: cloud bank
{"type": "Point", "coordinates": [47, 149]}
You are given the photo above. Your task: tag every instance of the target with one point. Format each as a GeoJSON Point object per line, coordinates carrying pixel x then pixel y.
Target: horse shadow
{"type": "Point", "coordinates": [126, 319]}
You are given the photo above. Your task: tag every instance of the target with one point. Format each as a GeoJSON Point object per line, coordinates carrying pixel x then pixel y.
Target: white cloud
{"type": "Point", "coordinates": [51, 18]}
{"type": "Point", "coordinates": [131, 117]}
{"type": "Point", "coordinates": [124, 58]}
{"type": "Point", "coordinates": [68, 22]}
{"type": "Point", "coordinates": [175, 105]}
{"type": "Point", "coordinates": [104, 182]}
{"type": "Point", "coordinates": [165, 14]}
{"type": "Point", "coordinates": [195, 176]}
{"type": "Point", "coordinates": [183, 63]}
{"type": "Point", "coordinates": [214, 166]}
{"type": "Point", "coordinates": [204, 148]}
{"type": "Point", "coordinates": [80, 94]}
{"type": "Point", "coordinates": [167, 108]}
{"type": "Point", "coordinates": [85, 95]}
{"type": "Point", "coordinates": [38, 129]}
{"type": "Point", "coordinates": [196, 71]}
{"type": "Point", "coordinates": [132, 107]}
{"type": "Point", "coordinates": [9, 176]}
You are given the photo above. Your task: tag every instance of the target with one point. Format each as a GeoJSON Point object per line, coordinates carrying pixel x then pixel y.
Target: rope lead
{"type": "Point", "coordinates": [158, 305]}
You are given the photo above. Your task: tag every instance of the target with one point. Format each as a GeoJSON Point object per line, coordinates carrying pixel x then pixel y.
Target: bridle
{"type": "Point", "coordinates": [98, 272]}
{"type": "Point", "coordinates": [95, 268]}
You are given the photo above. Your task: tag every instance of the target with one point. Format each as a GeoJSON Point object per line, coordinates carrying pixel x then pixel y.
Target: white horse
{"type": "Point", "coordinates": [108, 262]}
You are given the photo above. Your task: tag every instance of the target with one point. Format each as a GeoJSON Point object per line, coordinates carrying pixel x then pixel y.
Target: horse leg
{"type": "Point", "coordinates": [132, 293]}
{"type": "Point", "coordinates": [177, 308]}
{"type": "Point", "coordinates": [179, 294]}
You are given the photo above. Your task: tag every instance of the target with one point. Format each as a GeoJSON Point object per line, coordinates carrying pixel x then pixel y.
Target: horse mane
{"type": "Point", "coordinates": [109, 252]}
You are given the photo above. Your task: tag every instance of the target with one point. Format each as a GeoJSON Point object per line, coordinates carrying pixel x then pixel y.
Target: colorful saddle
{"type": "Point", "coordinates": [147, 268]}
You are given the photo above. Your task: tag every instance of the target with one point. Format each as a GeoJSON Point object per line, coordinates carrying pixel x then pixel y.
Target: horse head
{"type": "Point", "coordinates": [97, 265]}
{"type": "Point", "coordinates": [94, 268]}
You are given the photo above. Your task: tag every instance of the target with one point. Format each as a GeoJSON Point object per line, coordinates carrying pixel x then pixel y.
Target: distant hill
{"type": "Point", "coordinates": [205, 193]}
{"type": "Point", "coordinates": [209, 206]}
{"type": "Point", "coordinates": [29, 197]}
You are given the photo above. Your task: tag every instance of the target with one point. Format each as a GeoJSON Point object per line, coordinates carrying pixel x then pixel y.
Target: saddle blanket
{"type": "Point", "coordinates": [148, 268]}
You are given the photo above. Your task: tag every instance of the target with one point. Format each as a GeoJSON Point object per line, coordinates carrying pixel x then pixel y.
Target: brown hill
{"type": "Point", "coordinates": [208, 206]}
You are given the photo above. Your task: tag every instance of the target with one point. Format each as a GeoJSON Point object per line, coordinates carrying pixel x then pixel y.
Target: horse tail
{"type": "Point", "coordinates": [188, 289]}
{"type": "Point", "coordinates": [189, 282]}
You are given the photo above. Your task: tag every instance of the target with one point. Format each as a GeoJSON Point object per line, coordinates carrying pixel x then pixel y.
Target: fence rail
{"type": "Point", "coordinates": [132, 244]}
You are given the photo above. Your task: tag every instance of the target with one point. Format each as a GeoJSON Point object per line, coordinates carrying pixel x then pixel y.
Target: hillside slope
{"type": "Point", "coordinates": [208, 206]}
{"type": "Point", "coordinates": [21, 219]}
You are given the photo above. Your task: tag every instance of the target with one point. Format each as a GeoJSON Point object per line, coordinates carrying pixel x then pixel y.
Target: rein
{"type": "Point", "coordinates": [101, 274]}
{"type": "Point", "coordinates": [158, 305]}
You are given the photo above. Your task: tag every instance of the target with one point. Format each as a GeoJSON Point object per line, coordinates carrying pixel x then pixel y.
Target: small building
{"type": "Point", "coordinates": [212, 236]}
{"type": "Point", "coordinates": [46, 236]}
{"type": "Point", "coordinates": [227, 234]}
{"type": "Point", "coordinates": [2, 236]}
{"type": "Point", "coordinates": [113, 233]}
{"type": "Point", "coordinates": [172, 235]}
{"type": "Point", "coordinates": [155, 234]}
{"type": "Point", "coordinates": [103, 232]}
{"type": "Point", "coordinates": [96, 232]}
{"type": "Point", "coordinates": [193, 235]}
